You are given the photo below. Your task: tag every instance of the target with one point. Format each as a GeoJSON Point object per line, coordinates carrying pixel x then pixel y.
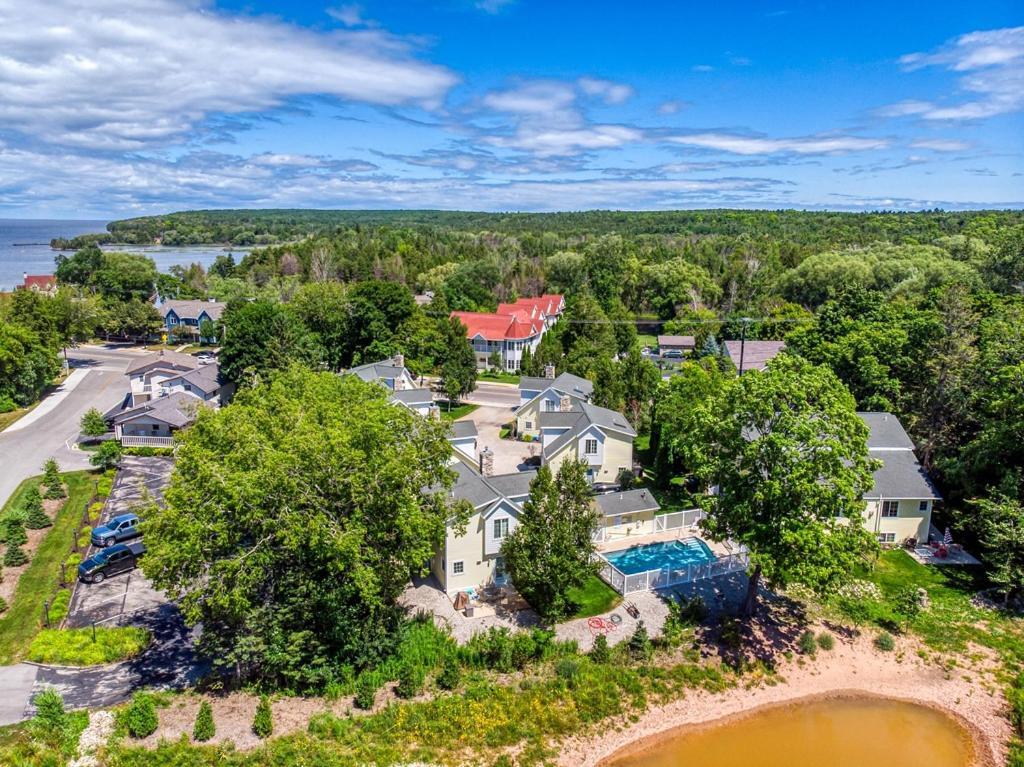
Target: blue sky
{"type": "Point", "coordinates": [128, 107]}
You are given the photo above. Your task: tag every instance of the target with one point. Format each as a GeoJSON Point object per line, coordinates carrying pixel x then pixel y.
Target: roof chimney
{"type": "Point", "coordinates": [399, 360]}
{"type": "Point", "coordinates": [549, 371]}
{"type": "Point", "coordinates": [486, 462]}
{"type": "Point", "coordinates": [564, 403]}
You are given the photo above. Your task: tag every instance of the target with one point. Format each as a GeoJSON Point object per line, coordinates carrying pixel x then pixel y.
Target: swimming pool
{"type": "Point", "coordinates": [655, 556]}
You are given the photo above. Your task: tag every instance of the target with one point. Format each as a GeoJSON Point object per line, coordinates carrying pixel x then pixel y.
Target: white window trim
{"type": "Point", "coordinates": [887, 537]}
{"type": "Point", "coordinates": [894, 505]}
{"type": "Point", "coordinates": [586, 446]}
{"type": "Point", "coordinates": [459, 567]}
{"type": "Point", "coordinates": [499, 527]}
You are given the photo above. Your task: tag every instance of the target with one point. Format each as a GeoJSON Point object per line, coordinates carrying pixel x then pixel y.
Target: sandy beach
{"type": "Point", "coordinates": [853, 667]}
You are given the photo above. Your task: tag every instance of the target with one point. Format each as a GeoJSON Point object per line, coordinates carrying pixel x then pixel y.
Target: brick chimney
{"type": "Point", "coordinates": [486, 462]}
{"type": "Point", "coordinates": [564, 403]}
{"type": "Point", "coordinates": [549, 371]}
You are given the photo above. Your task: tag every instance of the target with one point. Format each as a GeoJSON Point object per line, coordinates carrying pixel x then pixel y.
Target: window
{"type": "Point", "coordinates": [499, 567]}
{"type": "Point", "coordinates": [155, 427]}
{"type": "Point", "coordinates": [887, 537]}
{"type": "Point", "coordinates": [890, 508]}
{"type": "Point", "coordinates": [590, 447]}
{"type": "Point", "coordinates": [458, 568]}
{"type": "Point", "coordinates": [529, 425]}
{"type": "Point", "coordinates": [922, 506]}
{"type": "Point", "coordinates": [549, 406]}
{"type": "Point", "coordinates": [500, 528]}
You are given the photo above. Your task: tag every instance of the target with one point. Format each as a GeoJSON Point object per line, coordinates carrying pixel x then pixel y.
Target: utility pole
{"type": "Point", "coordinates": [745, 321]}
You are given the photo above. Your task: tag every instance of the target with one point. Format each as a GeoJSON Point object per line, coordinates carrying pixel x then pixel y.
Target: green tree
{"type": "Point", "coordinates": [458, 368]}
{"type": "Point", "coordinates": [107, 456]}
{"type": "Point", "coordinates": [640, 378]}
{"type": "Point", "coordinates": [32, 505]}
{"type": "Point", "coordinates": [204, 728]}
{"type": "Point", "coordinates": [999, 523]}
{"type": "Point", "coordinates": [261, 337]}
{"type": "Point", "coordinates": [28, 363]}
{"type": "Point", "coordinates": [52, 479]}
{"type": "Point", "coordinates": [14, 531]}
{"type": "Point", "coordinates": [494, 361]}
{"type": "Point", "coordinates": [323, 309]}
{"type": "Point", "coordinates": [15, 556]}
{"type": "Point", "coordinates": [293, 520]}
{"type": "Point", "coordinates": [140, 717]}
{"type": "Point", "coordinates": [789, 455]}
{"type": "Point", "coordinates": [93, 423]}
{"type": "Point", "coordinates": [263, 722]}
{"type": "Point", "coordinates": [550, 550]}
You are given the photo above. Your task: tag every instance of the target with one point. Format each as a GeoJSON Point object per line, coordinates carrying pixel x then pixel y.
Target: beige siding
{"type": "Point", "coordinates": [911, 522]}
{"type": "Point", "coordinates": [478, 569]}
{"type": "Point", "coordinates": [638, 523]}
{"type": "Point", "coordinates": [616, 452]}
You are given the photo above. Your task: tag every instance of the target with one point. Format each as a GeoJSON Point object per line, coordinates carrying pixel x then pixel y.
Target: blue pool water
{"type": "Point", "coordinates": [653, 556]}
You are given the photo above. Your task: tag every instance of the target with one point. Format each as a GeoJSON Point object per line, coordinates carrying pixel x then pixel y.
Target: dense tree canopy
{"type": "Point", "coordinates": [293, 520]}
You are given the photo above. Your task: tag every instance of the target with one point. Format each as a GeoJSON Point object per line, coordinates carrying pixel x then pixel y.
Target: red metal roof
{"type": "Point", "coordinates": [40, 281]}
{"type": "Point", "coordinates": [499, 327]}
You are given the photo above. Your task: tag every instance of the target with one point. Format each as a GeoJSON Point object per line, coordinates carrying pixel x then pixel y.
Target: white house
{"type": "Point", "coordinates": [510, 330]}
{"type": "Point", "coordinates": [153, 423]}
{"type": "Point", "coordinates": [390, 373]}
{"type": "Point", "coordinates": [184, 317]}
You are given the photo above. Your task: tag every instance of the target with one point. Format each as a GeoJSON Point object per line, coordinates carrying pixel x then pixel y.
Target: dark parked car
{"type": "Point", "coordinates": [119, 558]}
{"type": "Point", "coordinates": [123, 527]}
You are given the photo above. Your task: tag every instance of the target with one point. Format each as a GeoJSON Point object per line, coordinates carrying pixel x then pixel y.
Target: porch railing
{"type": "Point", "coordinates": [678, 520]}
{"type": "Point", "coordinates": [131, 441]}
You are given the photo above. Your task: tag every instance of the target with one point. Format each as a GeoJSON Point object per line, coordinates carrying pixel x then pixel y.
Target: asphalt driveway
{"type": "Point", "coordinates": [509, 455]}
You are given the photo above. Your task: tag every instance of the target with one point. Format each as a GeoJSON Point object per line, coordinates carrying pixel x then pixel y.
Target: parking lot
{"type": "Point", "coordinates": [124, 598]}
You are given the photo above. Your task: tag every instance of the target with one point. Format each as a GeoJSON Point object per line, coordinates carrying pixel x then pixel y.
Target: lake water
{"type": "Point", "coordinates": [25, 247]}
{"type": "Point", "coordinates": [844, 732]}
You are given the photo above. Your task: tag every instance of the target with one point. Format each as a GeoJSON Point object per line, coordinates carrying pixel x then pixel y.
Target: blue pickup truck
{"type": "Point", "coordinates": [123, 527]}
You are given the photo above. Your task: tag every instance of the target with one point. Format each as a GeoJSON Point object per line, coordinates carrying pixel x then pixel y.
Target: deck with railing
{"type": "Point", "coordinates": [128, 440]}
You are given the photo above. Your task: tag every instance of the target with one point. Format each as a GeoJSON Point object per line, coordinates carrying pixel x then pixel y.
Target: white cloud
{"type": "Point", "coordinates": [494, 6]}
{"type": "Point", "coordinates": [131, 74]}
{"type": "Point", "coordinates": [548, 120]}
{"type": "Point", "coordinates": [991, 64]}
{"type": "Point", "coordinates": [351, 16]}
{"type": "Point", "coordinates": [672, 106]}
{"type": "Point", "coordinates": [941, 145]}
{"type": "Point", "coordinates": [804, 145]}
{"type": "Point", "coordinates": [217, 180]}
{"type": "Point", "coordinates": [610, 92]}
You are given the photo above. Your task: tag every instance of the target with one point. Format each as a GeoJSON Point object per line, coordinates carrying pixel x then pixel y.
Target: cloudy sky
{"type": "Point", "coordinates": [125, 107]}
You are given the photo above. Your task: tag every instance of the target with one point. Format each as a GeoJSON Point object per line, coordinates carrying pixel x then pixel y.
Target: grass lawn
{"type": "Point", "coordinates": [456, 412]}
{"type": "Point", "coordinates": [21, 622]}
{"type": "Point", "coordinates": [647, 340]}
{"type": "Point", "coordinates": [594, 597]}
{"type": "Point", "coordinates": [951, 622]}
{"type": "Point", "coordinates": [77, 647]}
{"type": "Point", "coordinates": [6, 419]}
{"type": "Point", "coordinates": [500, 377]}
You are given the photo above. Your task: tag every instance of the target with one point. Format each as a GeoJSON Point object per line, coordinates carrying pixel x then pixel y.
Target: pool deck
{"type": "Point", "coordinates": [628, 541]}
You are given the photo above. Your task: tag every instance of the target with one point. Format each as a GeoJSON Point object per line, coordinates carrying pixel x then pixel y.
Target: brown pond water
{"type": "Point", "coordinates": [839, 732]}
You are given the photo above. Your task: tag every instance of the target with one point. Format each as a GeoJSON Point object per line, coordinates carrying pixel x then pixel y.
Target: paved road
{"type": "Point", "coordinates": [97, 380]}
{"type": "Point", "coordinates": [494, 394]}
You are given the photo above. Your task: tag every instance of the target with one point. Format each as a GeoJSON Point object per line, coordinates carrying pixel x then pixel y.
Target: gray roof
{"type": "Point", "coordinates": [901, 476]}
{"type": "Point", "coordinates": [206, 377]}
{"type": "Point", "coordinates": [170, 360]}
{"type": "Point", "coordinates": [567, 383]}
{"type": "Point", "coordinates": [483, 491]}
{"type": "Point", "coordinates": [687, 342]}
{"type": "Point", "coordinates": [512, 485]}
{"type": "Point", "coordinates": [374, 371]}
{"type": "Point", "coordinates": [462, 429]}
{"type": "Point", "coordinates": [178, 409]}
{"type": "Point", "coordinates": [628, 502]}
{"type": "Point", "coordinates": [557, 418]}
{"type": "Point", "coordinates": [756, 354]}
{"type": "Point", "coordinates": [413, 396]}
{"type": "Point", "coordinates": [886, 431]}
{"type": "Point", "coordinates": [588, 415]}
{"type": "Point", "coordinates": [192, 309]}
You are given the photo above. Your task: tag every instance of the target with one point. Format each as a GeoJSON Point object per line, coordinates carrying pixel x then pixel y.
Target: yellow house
{"type": "Point", "coordinates": [899, 505]}
{"type": "Point", "coordinates": [473, 559]}
{"type": "Point", "coordinates": [548, 395]}
{"type": "Point", "coordinates": [601, 438]}
{"type": "Point", "coordinates": [625, 513]}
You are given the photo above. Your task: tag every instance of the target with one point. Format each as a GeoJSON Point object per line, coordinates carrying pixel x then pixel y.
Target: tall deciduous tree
{"type": "Point", "coordinates": [789, 456]}
{"type": "Point", "coordinates": [261, 337]}
{"type": "Point", "coordinates": [999, 523]}
{"type": "Point", "coordinates": [93, 423]}
{"type": "Point", "coordinates": [551, 549]}
{"type": "Point", "coordinates": [458, 368]}
{"type": "Point", "coordinates": [293, 520]}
